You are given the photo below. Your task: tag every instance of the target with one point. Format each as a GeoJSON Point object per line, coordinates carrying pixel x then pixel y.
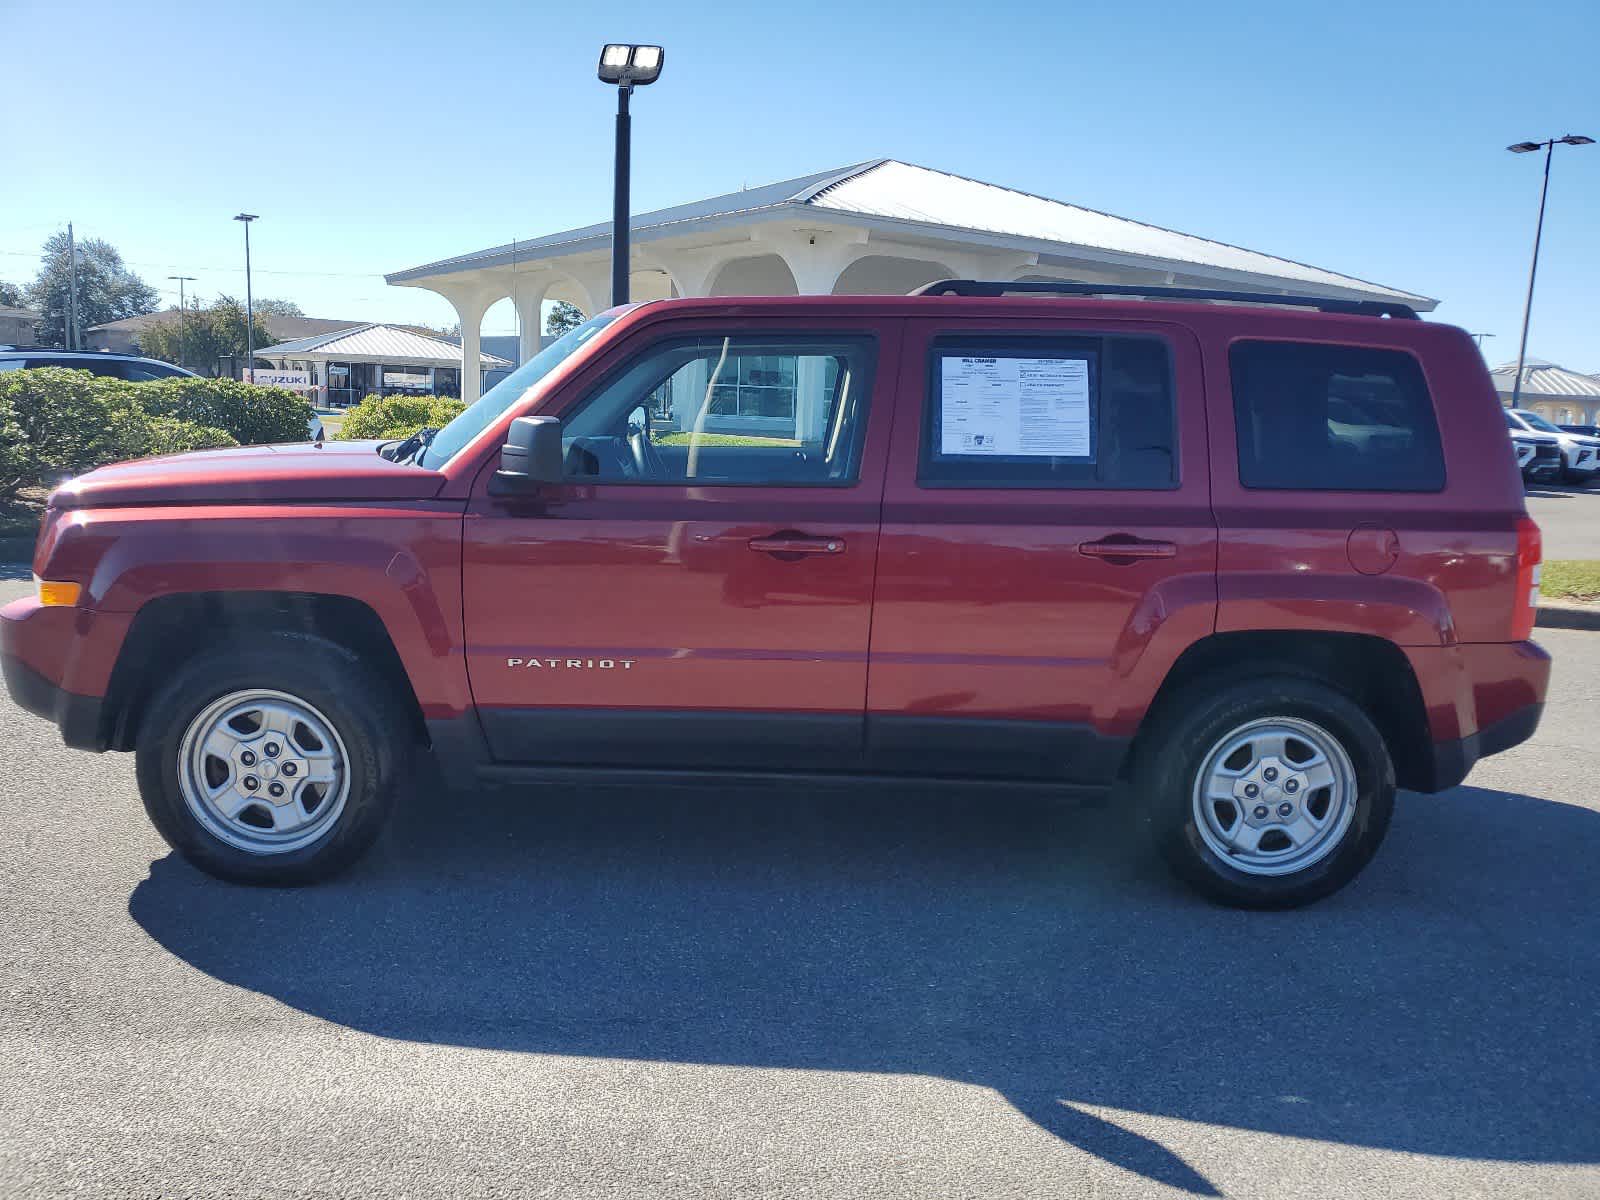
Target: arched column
{"type": "Point", "coordinates": [692, 271]}
{"type": "Point", "coordinates": [817, 258]}
{"type": "Point", "coordinates": [528, 293]}
{"type": "Point", "coordinates": [470, 304]}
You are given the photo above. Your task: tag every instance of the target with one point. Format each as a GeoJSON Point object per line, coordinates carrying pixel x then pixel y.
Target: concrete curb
{"type": "Point", "coordinates": [1568, 614]}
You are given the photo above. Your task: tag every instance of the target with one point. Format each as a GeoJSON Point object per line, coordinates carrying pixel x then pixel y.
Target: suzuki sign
{"type": "Point", "coordinates": [295, 381]}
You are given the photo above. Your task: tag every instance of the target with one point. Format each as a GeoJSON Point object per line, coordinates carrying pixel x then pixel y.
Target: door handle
{"type": "Point", "coordinates": [786, 543]}
{"type": "Point", "coordinates": [1122, 545]}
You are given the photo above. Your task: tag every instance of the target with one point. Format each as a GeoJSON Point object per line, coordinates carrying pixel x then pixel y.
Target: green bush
{"type": "Point", "coordinates": [55, 422]}
{"type": "Point", "coordinates": [397, 416]}
{"type": "Point", "coordinates": [252, 415]}
{"type": "Point", "coordinates": [168, 435]}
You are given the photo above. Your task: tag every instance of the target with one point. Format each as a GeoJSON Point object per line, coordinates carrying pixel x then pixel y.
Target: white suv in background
{"type": "Point", "coordinates": [1580, 455]}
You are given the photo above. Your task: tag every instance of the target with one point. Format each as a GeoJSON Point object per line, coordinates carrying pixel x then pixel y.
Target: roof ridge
{"type": "Point", "coordinates": [842, 175]}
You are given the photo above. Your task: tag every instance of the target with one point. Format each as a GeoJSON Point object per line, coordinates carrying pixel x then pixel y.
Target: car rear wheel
{"type": "Point", "coordinates": [272, 760]}
{"type": "Point", "coordinates": [1272, 792]}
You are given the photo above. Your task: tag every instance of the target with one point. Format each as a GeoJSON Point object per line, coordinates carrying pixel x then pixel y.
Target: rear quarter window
{"type": "Point", "coordinates": [1318, 417]}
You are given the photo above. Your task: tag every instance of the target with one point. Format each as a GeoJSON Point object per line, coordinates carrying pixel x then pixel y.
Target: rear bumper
{"type": "Point", "coordinates": [78, 717]}
{"type": "Point", "coordinates": [1453, 760]}
{"type": "Point", "coordinates": [1479, 698]}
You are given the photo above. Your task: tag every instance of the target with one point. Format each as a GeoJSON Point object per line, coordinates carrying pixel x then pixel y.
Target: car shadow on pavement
{"type": "Point", "coordinates": [1444, 1004]}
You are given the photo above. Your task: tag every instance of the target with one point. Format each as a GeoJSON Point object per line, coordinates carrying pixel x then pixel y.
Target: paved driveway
{"type": "Point", "coordinates": [785, 993]}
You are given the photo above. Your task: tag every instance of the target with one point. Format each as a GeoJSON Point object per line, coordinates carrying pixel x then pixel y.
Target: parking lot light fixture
{"type": "Point", "coordinates": [625, 67]}
{"type": "Point", "coordinates": [1548, 146]}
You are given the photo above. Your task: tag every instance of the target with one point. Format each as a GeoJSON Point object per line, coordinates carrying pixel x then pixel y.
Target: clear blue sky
{"type": "Point", "coordinates": [1366, 137]}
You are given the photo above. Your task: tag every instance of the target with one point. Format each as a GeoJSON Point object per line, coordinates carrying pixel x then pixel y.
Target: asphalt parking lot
{"type": "Point", "coordinates": [1569, 518]}
{"type": "Point", "coordinates": [785, 993]}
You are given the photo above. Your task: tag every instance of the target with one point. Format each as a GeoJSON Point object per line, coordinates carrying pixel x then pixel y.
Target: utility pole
{"type": "Point", "coordinates": [74, 342]}
{"type": "Point", "coordinates": [249, 301]}
{"type": "Point", "coordinates": [183, 320]}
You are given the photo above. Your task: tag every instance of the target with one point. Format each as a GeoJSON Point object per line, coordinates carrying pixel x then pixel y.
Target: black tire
{"type": "Point", "coordinates": [377, 737]}
{"type": "Point", "coordinates": [1173, 751]}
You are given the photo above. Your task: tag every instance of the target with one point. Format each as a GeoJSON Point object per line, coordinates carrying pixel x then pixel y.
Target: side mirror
{"type": "Point", "coordinates": [530, 458]}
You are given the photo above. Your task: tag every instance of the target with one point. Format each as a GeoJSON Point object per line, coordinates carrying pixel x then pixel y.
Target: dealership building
{"type": "Point", "coordinates": [346, 365]}
{"type": "Point", "coordinates": [874, 228]}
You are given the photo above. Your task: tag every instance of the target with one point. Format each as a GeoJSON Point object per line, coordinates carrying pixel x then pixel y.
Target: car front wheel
{"type": "Point", "coordinates": [1269, 793]}
{"type": "Point", "coordinates": [272, 760]}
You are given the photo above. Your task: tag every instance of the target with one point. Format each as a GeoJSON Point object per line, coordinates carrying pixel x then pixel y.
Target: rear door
{"type": "Point", "coordinates": [1048, 545]}
{"type": "Point", "coordinates": [698, 591]}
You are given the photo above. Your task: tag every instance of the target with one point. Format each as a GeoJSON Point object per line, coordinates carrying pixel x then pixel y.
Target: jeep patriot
{"type": "Point", "coordinates": [1261, 561]}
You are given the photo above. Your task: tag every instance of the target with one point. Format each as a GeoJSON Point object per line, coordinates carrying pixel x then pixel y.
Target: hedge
{"type": "Point", "coordinates": [253, 415]}
{"type": "Point", "coordinates": [397, 416]}
{"type": "Point", "coordinates": [56, 423]}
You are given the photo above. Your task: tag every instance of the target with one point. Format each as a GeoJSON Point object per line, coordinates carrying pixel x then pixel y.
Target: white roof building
{"type": "Point", "coordinates": [879, 227]}
{"type": "Point", "coordinates": [347, 364]}
{"type": "Point", "coordinates": [1555, 393]}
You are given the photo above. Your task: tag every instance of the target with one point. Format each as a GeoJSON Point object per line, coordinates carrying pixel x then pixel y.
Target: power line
{"type": "Point", "coordinates": [34, 254]}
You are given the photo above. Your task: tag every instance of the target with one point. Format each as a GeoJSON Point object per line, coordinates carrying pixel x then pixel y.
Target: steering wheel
{"type": "Point", "coordinates": [647, 460]}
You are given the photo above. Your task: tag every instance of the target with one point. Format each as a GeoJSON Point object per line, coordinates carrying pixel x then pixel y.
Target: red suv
{"type": "Point", "coordinates": [1265, 560]}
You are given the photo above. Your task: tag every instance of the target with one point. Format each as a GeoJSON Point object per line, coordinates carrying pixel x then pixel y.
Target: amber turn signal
{"type": "Point", "coordinates": [54, 593]}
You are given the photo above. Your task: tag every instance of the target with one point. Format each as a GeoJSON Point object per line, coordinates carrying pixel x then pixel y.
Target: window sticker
{"type": "Point", "coordinates": [1015, 407]}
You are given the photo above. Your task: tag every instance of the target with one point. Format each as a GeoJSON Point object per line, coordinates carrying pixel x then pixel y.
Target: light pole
{"type": "Point", "coordinates": [249, 300]}
{"type": "Point", "coordinates": [627, 67]}
{"type": "Point", "coordinates": [1549, 146]}
{"type": "Point", "coordinates": [183, 319]}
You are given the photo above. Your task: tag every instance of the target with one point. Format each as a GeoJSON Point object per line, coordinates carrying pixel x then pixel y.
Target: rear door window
{"type": "Point", "coordinates": [1318, 417]}
{"type": "Point", "coordinates": [1038, 412]}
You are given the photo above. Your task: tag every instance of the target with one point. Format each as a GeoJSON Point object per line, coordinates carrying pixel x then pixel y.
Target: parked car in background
{"type": "Point", "coordinates": [1587, 430]}
{"type": "Point", "coordinates": [117, 366]}
{"type": "Point", "coordinates": [1538, 454]}
{"type": "Point", "coordinates": [1580, 455]}
{"type": "Point", "coordinates": [131, 367]}
{"type": "Point", "coordinates": [1266, 560]}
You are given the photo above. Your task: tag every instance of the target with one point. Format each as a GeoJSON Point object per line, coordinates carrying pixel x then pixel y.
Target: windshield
{"type": "Point", "coordinates": [478, 416]}
{"type": "Point", "coordinates": [1538, 422]}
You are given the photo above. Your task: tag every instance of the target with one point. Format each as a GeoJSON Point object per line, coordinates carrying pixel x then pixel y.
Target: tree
{"type": "Point", "coordinates": [278, 308]}
{"type": "Point", "coordinates": [107, 290]}
{"type": "Point", "coordinates": [207, 335]}
{"type": "Point", "coordinates": [10, 295]}
{"type": "Point", "coordinates": [563, 316]}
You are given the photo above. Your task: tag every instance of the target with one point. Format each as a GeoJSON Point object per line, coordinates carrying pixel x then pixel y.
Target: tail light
{"type": "Point", "coordinates": [1530, 553]}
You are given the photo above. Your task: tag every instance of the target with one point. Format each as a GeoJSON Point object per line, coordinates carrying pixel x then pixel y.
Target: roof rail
{"type": "Point", "coordinates": [981, 287]}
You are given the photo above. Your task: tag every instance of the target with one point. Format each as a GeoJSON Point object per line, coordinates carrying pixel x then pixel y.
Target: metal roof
{"type": "Point", "coordinates": [1541, 378]}
{"type": "Point", "coordinates": [377, 343]}
{"type": "Point", "coordinates": [24, 314]}
{"type": "Point", "coordinates": [273, 323]}
{"type": "Point", "coordinates": [919, 200]}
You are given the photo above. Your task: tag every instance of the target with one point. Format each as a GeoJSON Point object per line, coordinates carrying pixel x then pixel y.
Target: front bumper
{"type": "Point", "coordinates": [57, 664]}
{"type": "Point", "coordinates": [78, 717]}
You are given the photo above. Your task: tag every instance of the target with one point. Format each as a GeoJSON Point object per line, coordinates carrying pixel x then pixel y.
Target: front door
{"type": "Point", "coordinates": [1048, 544]}
{"type": "Point", "coordinates": [698, 591]}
